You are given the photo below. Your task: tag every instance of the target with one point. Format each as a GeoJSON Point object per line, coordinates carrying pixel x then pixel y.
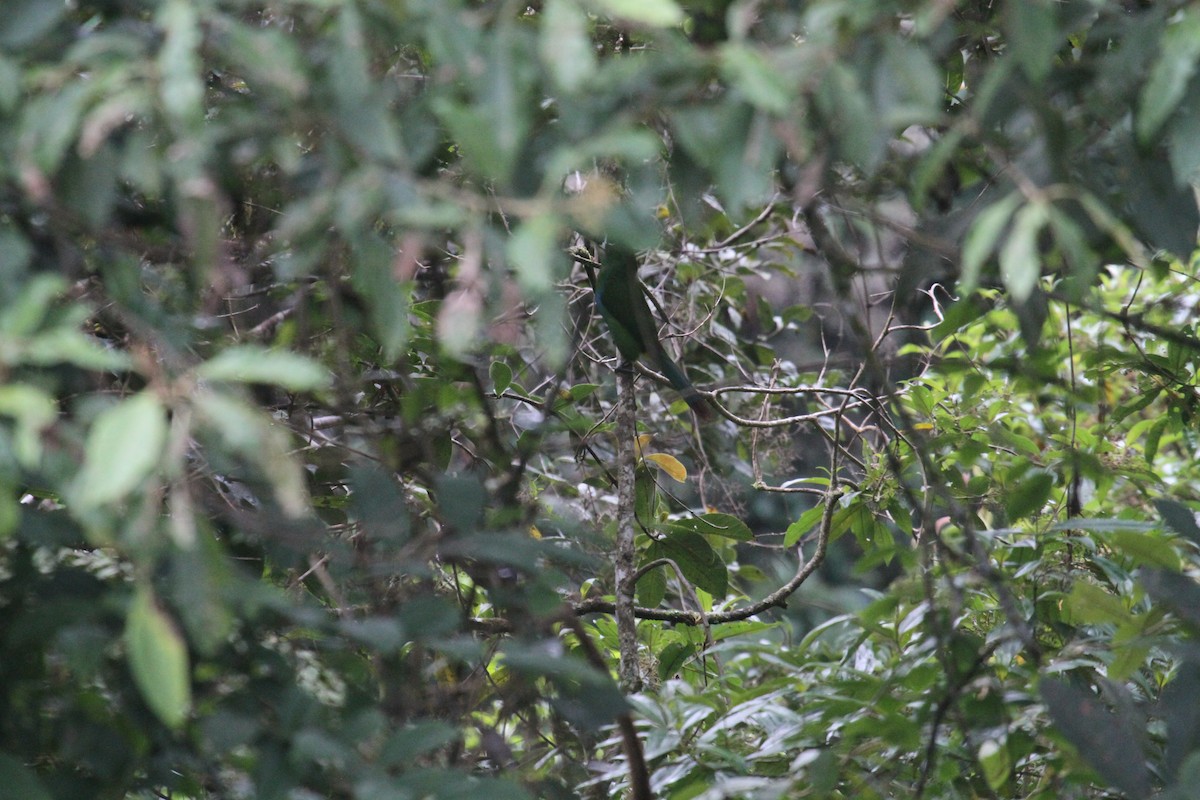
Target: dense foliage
{"type": "Point", "coordinates": [314, 466]}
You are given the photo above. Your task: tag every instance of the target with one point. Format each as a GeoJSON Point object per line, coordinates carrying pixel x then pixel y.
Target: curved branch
{"type": "Point", "coordinates": [776, 599]}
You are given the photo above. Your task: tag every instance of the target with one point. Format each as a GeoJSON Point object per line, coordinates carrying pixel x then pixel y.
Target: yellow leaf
{"type": "Point", "coordinates": [669, 465]}
{"type": "Point", "coordinates": [534, 532]}
{"type": "Point", "coordinates": [640, 443]}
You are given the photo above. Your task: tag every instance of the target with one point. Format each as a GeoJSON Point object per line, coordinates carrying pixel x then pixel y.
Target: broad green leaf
{"type": "Point", "coordinates": [996, 762]}
{"type": "Point", "coordinates": [697, 560]}
{"type": "Point", "coordinates": [1088, 604]}
{"type": "Point", "coordinates": [158, 659]}
{"type": "Point", "coordinates": [388, 300]}
{"type": "Point", "coordinates": [1029, 495]}
{"type": "Point", "coordinates": [23, 315]}
{"type": "Point", "coordinates": [652, 13]}
{"type": "Point", "coordinates": [181, 88]}
{"type": "Point", "coordinates": [265, 55]}
{"type": "Point", "coordinates": [1180, 518]}
{"type": "Point", "coordinates": [24, 21]}
{"type": "Point", "coordinates": [1020, 266]}
{"type": "Point", "coordinates": [652, 586]}
{"type": "Point", "coordinates": [1146, 549]}
{"type": "Point", "coordinates": [714, 524]}
{"type": "Point", "coordinates": [408, 743]}
{"type": "Point", "coordinates": [1128, 658]}
{"type": "Point", "coordinates": [502, 376]}
{"type": "Point", "coordinates": [1183, 144]}
{"type": "Point", "coordinates": [1072, 243]}
{"type": "Point", "coordinates": [564, 44]}
{"type": "Point", "coordinates": [756, 77]}
{"type": "Point", "coordinates": [362, 111]}
{"type": "Point", "coordinates": [34, 411]}
{"type": "Point", "coordinates": [534, 255]}
{"type": "Point", "coordinates": [20, 781]}
{"type": "Point", "coordinates": [907, 86]}
{"type": "Point", "coordinates": [672, 658]}
{"type": "Point", "coordinates": [10, 84]}
{"type": "Point", "coordinates": [49, 124]}
{"type": "Point", "coordinates": [123, 447]}
{"type": "Point", "coordinates": [981, 240]}
{"type": "Point", "coordinates": [255, 364]}
{"type": "Point", "coordinates": [858, 134]}
{"type": "Point", "coordinates": [1034, 36]}
{"type": "Point", "coordinates": [200, 587]}
{"type": "Point", "coordinates": [254, 436]}
{"type": "Point", "coordinates": [1102, 525]}
{"type": "Point", "coordinates": [1168, 81]}
{"type": "Point", "coordinates": [72, 346]}
{"type": "Point", "coordinates": [1109, 741]}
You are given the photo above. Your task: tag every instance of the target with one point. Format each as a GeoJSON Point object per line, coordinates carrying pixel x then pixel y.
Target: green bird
{"type": "Point", "coordinates": [622, 302]}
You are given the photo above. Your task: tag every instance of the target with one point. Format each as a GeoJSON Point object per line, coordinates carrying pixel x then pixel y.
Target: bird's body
{"type": "Point", "coordinates": [622, 302]}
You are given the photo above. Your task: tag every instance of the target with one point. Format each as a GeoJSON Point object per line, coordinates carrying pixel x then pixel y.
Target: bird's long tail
{"type": "Point", "coordinates": [698, 402]}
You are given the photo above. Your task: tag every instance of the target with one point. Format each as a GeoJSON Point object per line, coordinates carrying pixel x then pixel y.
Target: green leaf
{"type": "Point", "coordinates": [255, 364]}
{"type": "Point", "coordinates": [1183, 144]}
{"type": "Point", "coordinates": [652, 586]}
{"type": "Point", "coordinates": [713, 524]}
{"type": "Point", "coordinates": [807, 521]}
{"type": "Point", "coordinates": [158, 659]}
{"type": "Point", "coordinates": [981, 240]}
{"type": "Point", "coordinates": [672, 658]}
{"type": "Point", "coordinates": [1179, 518]}
{"type": "Point", "coordinates": [1179, 51]}
{"type": "Point", "coordinates": [534, 254]}
{"type": "Point", "coordinates": [20, 781]}
{"type": "Point", "coordinates": [1034, 36]}
{"type": "Point", "coordinates": [253, 435]}
{"type": "Point", "coordinates": [565, 46]}
{"type": "Point", "coordinates": [181, 88]}
{"type": "Point", "coordinates": [855, 122]}
{"type": "Point", "coordinates": [388, 300]}
{"type": "Point", "coordinates": [71, 346]}
{"type": "Point", "coordinates": [996, 762]}
{"type": "Point", "coordinates": [123, 447]}
{"type": "Point", "coordinates": [697, 560]}
{"type": "Point", "coordinates": [907, 86]}
{"type": "Point", "coordinates": [24, 21]}
{"type": "Point", "coordinates": [1072, 243]}
{"type": "Point", "coordinates": [1029, 496]}
{"type": "Point", "coordinates": [1110, 742]}
{"type": "Point", "coordinates": [762, 82]}
{"type": "Point", "coordinates": [502, 376]}
{"type": "Point", "coordinates": [1088, 604]}
{"type": "Point", "coordinates": [652, 13]}
{"type": "Point", "coordinates": [1020, 266]}
{"type": "Point", "coordinates": [34, 411]}
{"type": "Point", "coordinates": [1146, 549]}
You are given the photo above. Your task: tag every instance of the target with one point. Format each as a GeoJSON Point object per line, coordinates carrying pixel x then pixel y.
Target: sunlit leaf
{"type": "Point", "coordinates": [254, 364]}
{"type": "Point", "coordinates": [564, 44]}
{"type": "Point", "coordinates": [124, 445]}
{"type": "Point", "coordinates": [654, 13]}
{"type": "Point", "coordinates": [669, 464]}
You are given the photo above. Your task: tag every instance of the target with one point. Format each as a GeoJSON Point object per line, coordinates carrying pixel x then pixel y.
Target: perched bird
{"type": "Point", "coordinates": [622, 302]}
